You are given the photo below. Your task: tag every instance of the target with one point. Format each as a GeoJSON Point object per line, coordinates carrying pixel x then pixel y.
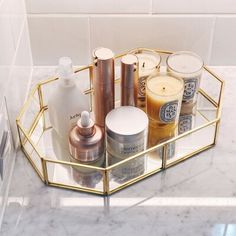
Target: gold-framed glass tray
{"type": "Point", "coordinates": [51, 160]}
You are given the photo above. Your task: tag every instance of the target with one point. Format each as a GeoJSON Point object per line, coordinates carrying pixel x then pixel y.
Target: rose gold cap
{"type": "Point", "coordinates": [103, 59]}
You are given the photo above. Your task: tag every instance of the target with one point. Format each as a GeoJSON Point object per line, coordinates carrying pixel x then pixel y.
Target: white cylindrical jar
{"type": "Point", "coordinates": [126, 129]}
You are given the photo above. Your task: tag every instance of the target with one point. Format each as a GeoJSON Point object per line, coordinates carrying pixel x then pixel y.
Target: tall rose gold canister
{"type": "Point", "coordinates": [103, 84]}
{"type": "Point", "coordinates": [129, 80]}
{"type": "Point", "coordinates": [86, 140]}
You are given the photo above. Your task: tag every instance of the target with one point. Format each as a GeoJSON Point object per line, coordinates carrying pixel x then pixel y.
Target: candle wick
{"type": "Point", "coordinates": [143, 64]}
{"type": "Point", "coordinates": [163, 88]}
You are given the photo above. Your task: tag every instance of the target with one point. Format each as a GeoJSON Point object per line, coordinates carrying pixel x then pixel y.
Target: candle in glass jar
{"type": "Point", "coordinates": [149, 62]}
{"type": "Point", "coordinates": [164, 96]}
{"type": "Point", "coordinates": [188, 66]}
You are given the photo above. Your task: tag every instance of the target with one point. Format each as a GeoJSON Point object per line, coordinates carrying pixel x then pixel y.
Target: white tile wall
{"type": "Point", "coordinates": [88, 6]}
{"type": "Point", "coordinates": [224, 42]}
{"type": "Point", "coordinates": [17, 17]}
{"type": "Point", "coordinates": [7, 47]}
{"type": "Point", "coordinates": [15, 70]}
{"type": "Point", "coordinates": [173, 33]}
{"type": "Point", "coordinates": [174, 25]}
{"type": "Point", "coordinates": [194, 6]}
{"type": "Point", "coordinates": [19, 77]}
{"type": "Point", "coordinates": [53, 37]}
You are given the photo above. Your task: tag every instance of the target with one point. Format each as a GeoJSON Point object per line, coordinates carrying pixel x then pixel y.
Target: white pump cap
{"type": "Point", "coordinates": [85, 119]}
{"type": "Point", "coordinates": [65, 69]}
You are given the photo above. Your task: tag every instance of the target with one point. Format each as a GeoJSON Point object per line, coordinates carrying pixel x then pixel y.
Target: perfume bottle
{"type": "Point", "coordinates": [86, 140]}
{"type": "Point", "coordinates": [67, 101]}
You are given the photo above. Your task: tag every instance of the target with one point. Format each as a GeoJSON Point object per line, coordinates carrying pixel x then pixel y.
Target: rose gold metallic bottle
{"type": "Point", "coordinates": [86, 140]}
{"type": "Point", "coordinates": [129, 80]}
{"type": "Point", "coordinates": [103, 84]}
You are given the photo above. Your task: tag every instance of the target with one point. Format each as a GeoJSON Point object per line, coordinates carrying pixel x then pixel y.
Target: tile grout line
{"type": "Point", "coordinates": [89, 35]}
{"type": "Point", "coordinates": [148, 13]}
{"type": "Point", "coordinates": [150, 7]}
{"type": "Point", "coordinates": [209, 58]}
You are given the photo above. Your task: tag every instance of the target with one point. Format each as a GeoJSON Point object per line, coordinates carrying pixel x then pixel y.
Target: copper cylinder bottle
{"type": "Point", "coordinates": [129, 80]}
{"type": "Point", "coordinates": [103, 84]}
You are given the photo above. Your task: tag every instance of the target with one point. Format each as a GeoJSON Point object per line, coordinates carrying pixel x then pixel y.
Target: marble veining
{"type": "Point", "coordinates": [197, 197]}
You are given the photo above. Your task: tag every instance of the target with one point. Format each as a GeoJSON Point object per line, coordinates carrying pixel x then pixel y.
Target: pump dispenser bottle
{"type": "Point", "coordinates": [86, 140]}
{"type": "Point", "coordinates": [67, 101]}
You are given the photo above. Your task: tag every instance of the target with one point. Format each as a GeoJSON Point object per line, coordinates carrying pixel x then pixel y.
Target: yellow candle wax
{"type": "Point", "coordinates": [164, 95]}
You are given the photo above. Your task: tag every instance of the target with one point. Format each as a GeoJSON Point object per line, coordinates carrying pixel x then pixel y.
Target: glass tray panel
{"type": "Point", "coordinates": [75, 177]}
{"type": "Point", "coordinates": [32, 154]}
{"type": "Point", "coordinates": [133, 170]}
{"type": "Point", "coordinates": [183, 147]}
{"type": "Point", "coordinates": [51, 147]}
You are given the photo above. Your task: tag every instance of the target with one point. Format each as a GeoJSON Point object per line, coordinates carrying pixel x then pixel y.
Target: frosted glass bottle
{"type": "Point", "coordinates": [67, 101]}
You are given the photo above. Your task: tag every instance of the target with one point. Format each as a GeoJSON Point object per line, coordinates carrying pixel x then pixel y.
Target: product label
{"type": "Point", "coordinates": [185, 123]}
{"type": "Point", "coordinates": [190, 87]}
{"type": "Point", "coordinates": [168, 111]}
{"type": "Point", "coordinates": [142, 87]}
{"type": "Point", "coordinates": [73, 119]}
{"type": "Point", "coordinates": [124, 149]}
{"type": "Point", "coordinates": [132, 148]}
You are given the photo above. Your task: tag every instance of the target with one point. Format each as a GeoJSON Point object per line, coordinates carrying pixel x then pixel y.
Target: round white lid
{"type": "Point", "coordinates": [103, 53]}
{"type": "Point", "coordinates": [129, 59]}
{"type": "Point", "coordinates": [126, 120]}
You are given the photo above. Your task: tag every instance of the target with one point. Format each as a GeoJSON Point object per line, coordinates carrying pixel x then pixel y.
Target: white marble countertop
{"type": "Point", "coordinates": [196, 197]}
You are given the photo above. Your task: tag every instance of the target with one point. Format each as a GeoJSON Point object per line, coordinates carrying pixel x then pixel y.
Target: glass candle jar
{"type": "Point", "coordinates": [164, 97]}
{"type": "Point", "coordinates": [149, 62]}
{"type": "Point", "coordinates": [188, 66]}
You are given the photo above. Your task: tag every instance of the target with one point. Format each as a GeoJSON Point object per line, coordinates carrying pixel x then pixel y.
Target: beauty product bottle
{"type": "Point", "coordinates": [67, 101]}
{"type": "Point", "coordinates": [129, 80]}
{"type": "Point", "coordinates": [86, 140]}
{"type": "Point", "coordinates": [103, 84]}
{"type": "Point", "coordinates": [126, 135]}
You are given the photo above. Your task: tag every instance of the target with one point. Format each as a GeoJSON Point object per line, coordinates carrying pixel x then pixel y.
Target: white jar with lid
{"type": "Point", "coordinates": [126, 135]}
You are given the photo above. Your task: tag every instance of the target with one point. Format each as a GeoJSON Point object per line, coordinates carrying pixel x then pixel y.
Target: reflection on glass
{"type": "Point", "coordinates": [159, 135]}
{"type": "Point", "coordinates": [186, 123]}
{"type": "Point", "coordinates": [82, 176]}
{"type": "Point", "coordinates": [128, 170]}
{"type": "Point", "coordinates": [85, 176]}
{"type": "Point", "coordinates": [187, 117]}
{"type": "Point", "coordinates": [60, 149]}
